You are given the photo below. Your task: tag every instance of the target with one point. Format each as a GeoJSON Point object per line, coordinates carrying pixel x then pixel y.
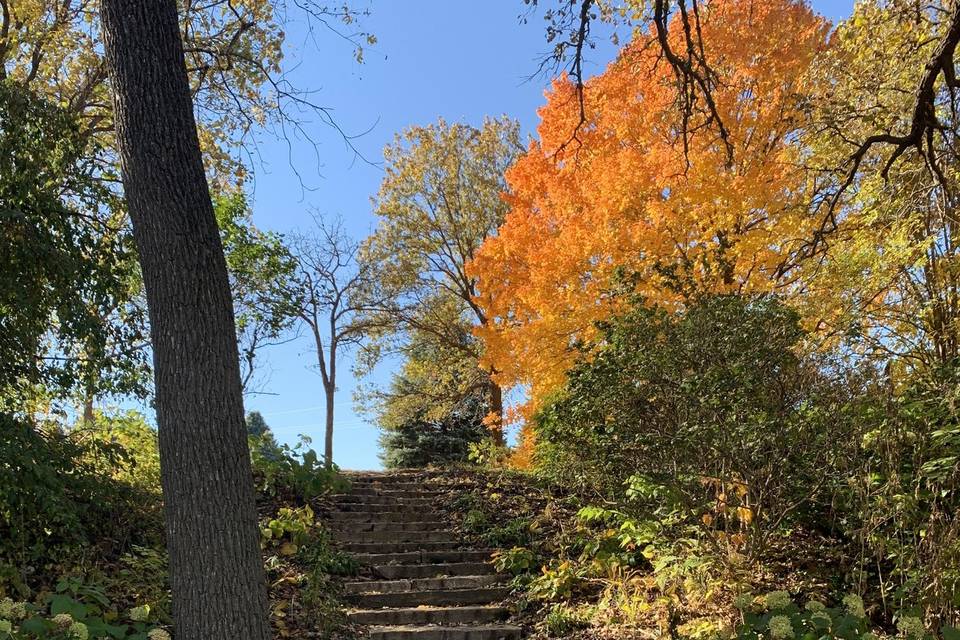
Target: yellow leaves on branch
{"type": "Point", "coordinates": [233, 52]}
{"type": "Point", "coordinates": [620, 193]}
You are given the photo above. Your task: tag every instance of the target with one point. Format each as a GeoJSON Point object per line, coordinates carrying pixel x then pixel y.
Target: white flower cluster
{"type": "Point", "coordinates": [10, 610]}
{"type": "Point", "coordinates": [911, 627]}
{"type": "Point", "coordinates": [78, 630]}
{"type": "Point", "coordinates": [814, 606]}
{"type": "Point", "coordinates": [854, 605]}
{"type": "Point", "coordinates": [62, 620]}
{"type": "Point", "coordinates": [823, 617]}
{"type": "Point", "coordinates": [777, 600]}
{"type": "Point", "coordinates": [140, 614]}
{"type": "Point", "coordinates": [780, 628]}
{"type": "Point", "coordinates": [744, 601]}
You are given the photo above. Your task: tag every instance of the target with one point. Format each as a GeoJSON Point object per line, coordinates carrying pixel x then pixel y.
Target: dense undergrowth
{"type": "Point", "coordinates": [700, 477]}
{"type": "Point", "coordinates": [82, 543]}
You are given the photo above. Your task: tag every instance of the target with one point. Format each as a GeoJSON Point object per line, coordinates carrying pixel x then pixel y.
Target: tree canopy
{"type": "Point", "coordinates": [440, 198]}
{"type": "Point", "coordinates": [67, 266]}
{"type": "Point", "coordinates": [638, 197]}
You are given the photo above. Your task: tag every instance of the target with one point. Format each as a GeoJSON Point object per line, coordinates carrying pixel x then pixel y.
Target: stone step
{"type": "Point", "coordinates": [420, 535]}
{"type": "Point", "coordinates": [422, 492]}
{"type": "Point", "coordinates": [422, 557]}
{"type": "Point", "coordinates": [354, 526]}
{"type": "Point", "coordinates": [377, 517]}
{"type": "Point", "coordinates": [395, 501]}
{"type": "Point", "coordinates": [480, 595]}
{"type": "Point", "coordinates": [397, 474]}
{"type": "Point", "coordinates": [429, 615]}
{"type": "Point", "coordinates": [403, 484]}
{"type": "Point", "coordinates": [400, 547]}
{"type": "Point", "coordinates": [415, 632]}
{"type": "Point", "coordinates": [422, 584]}
{"type": "Point", "coordinates": [386, 507]}
{"type": "Point", "coordinates": [397, 571]}
{"type": "Point", "coordinates": [393, 484]}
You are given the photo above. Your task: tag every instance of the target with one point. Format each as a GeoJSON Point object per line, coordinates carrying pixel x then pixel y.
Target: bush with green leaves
{"type": "Point", "coordinates": [497, 532]}
{"type": "Point", "coordinates": [715, 409]}
{"type": "Point", "coordinates": [295, 531]}
{"type": "Point", "coordinates": [903, 509]}
{"type": "Point", "coordinates": [140, 577]}
{"type": "Point", "coordinates": [516, 560]}
{"type": "Point", "coordinates": [68, 266]}
{"type": "Point", "coordinates": [57, 505]}
{"type": "Point", "coordinates": [301, 551]}
{"type": "Point", "coordinates": [296, 472]}
{"type": "Point", "coordinates": [487, 453]}
{"type": "Point", "coordinates": [562, 619]}
{"type": "Point", "coordinates": [776, 616]}
{"type": "Point", "coordinates": [76, 611]}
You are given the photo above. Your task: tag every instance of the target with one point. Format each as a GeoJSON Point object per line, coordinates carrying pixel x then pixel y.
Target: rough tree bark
{"type": "Point", "coordinates": [216, 573]}
{"type": "Point", "coordinates": [496, 406]}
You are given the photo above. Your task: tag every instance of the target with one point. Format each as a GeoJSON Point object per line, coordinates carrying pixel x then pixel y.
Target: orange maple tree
{"type": "Point", "coordinates": [618, 188]}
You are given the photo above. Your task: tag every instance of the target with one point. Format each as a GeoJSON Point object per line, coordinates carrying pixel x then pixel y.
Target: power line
{"type": "Point", "coordinates": [336, 425]}
{"type": "Point", "coordinates": [303, 410]}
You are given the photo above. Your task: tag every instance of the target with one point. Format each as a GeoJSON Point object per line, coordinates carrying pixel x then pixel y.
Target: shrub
{"type": "Point", "coordinates": [304, 555]}
{"type": "Point", "coordinates": [76, 611]}
{"type": "Point", "coordinates": [903, 503]}
{"type": "Point", "coordinates": [140, 577]}
{"type": "Point", "coordinates": [56, 502]}
{"type": "Point", "coordinates": [777, 617]}
{"type": "Point", "coordinates": [562, 619]}
{"type": "Point", "coordinates": [711, 411]}
{"type": "Point", "coordinates": [281, 470]}
{"type": "Point", "coordinates": [517, 560]}
{"type": "Point", "coordinates": [487, 453]}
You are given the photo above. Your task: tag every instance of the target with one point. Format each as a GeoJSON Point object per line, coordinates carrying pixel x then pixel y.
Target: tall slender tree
{"type": "Point", "coordinates": [328, 279]}
{"type": "Point", "coordinates": [216, 573]}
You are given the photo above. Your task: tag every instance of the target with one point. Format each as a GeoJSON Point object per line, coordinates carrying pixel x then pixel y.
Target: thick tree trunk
{"type": "Point", "coordinates": [216, 573]}
{"type": "Point", "coordinates": [496, 407]}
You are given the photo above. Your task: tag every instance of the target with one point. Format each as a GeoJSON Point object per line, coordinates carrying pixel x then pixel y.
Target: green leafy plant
{"type": "Point", "coordinates": [141, 578]}
{"type": "Point", "coordinates": [562, 619]}
{"type": "Point", "coordinates": [778, 617]}
{"type": "Point", "coordinates": [693, 413]}
{"type": "Point", "coordinates": [517, 560]}
{"type": "Point", "coordinates": [290, 529]}
{"type": "Point", "coordinates": [557, 581]}
{"type": "Point", "coordinates": [76, 611]}
{"type": "Point", "coordinates": [56, 500]}
{"type": "Point", "coordinates": [297, 471]}
{"type": "Point", "coordinates": [487, 453]}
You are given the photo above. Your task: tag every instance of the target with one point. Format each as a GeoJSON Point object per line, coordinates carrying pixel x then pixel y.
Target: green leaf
{"type": "Point", "coordinates": [61, 603]}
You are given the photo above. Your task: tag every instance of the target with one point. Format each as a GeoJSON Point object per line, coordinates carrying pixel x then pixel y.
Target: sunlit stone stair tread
{"type": "Point", "coordinates": [481, 614]}
{"type": "Point", "coordinates": [421, 584]}
{"type": "Point", "coordinates": [409, 571]}
{"type": "Point", "coordinates": [471, 632]}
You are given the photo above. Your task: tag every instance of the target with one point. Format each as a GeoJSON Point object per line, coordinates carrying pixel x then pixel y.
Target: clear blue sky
{"type": "Point", "coordinates": [451, 58]}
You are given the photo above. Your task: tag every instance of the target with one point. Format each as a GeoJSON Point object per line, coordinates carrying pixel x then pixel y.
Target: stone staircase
{"type": "Point", "coordinates": [420, 582]}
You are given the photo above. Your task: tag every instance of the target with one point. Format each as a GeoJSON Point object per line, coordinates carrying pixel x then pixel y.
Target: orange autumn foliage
{"type": "Point", "coordinates": [622, 196]}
